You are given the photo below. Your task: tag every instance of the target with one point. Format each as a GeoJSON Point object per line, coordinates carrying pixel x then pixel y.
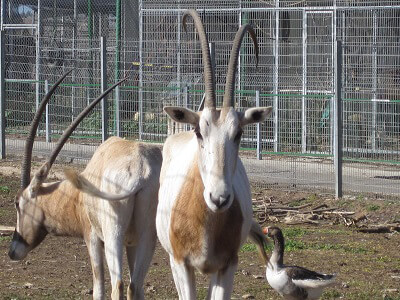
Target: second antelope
{"type": "Point", "coordinates": [205, 211]}
{"type": "Point", "coordinates": [127, 169]}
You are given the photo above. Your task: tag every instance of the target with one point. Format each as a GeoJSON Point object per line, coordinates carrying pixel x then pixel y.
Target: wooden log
{"type": "Point", "coordinates": [6, 230]}
{"type": "Point", "coordinates": [344, 213]}
{"type": "Point", "coordinates": [381, 229]}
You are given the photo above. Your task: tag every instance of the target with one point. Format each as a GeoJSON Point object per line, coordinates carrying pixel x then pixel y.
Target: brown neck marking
{"type": "Point", "coordinates": [191, 220]}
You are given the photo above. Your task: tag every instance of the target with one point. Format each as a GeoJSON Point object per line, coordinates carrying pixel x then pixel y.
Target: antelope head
{"type": "Point", "coordinates": [218, 131]}
{"type": "Point", "coordinates": [31, 219]}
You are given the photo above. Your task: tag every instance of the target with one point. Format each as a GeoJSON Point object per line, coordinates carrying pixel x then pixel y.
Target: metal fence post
{"type": "Point", "coordinates": [74, 34]}
{"type": "Point", "coordinates": [2, 96]}
{"type": "Point", "coordinates": [48, 130]}
{"type": "Point", "coordinates": [186, 102]}
{"type": "Point", "coordinates": [186, 96]}
{"type": "Point", "coordinates": [338, 134]}
{"type": "Point", "coordinates": [304, 88]}
{"type": "Point", "coordinates": [178, 57]}
{"type": "Point", "coordinates": [117, 67]}
{"type": "Point", "coordinates": [140, 70]}
{"type": "Point", "coordinates": [104, 103]}
{"type": "Point", "coordinates": [117, 111]}
{"type": "Point", "coordinates": [2, 13]}
{"type": "Point", "coordinates": [259, 146]}
{"type": "Point", "coordinates": [38, 56]}
{"type": "Point", "coordinates": [374, 80]}
{"type": "Point", "coordinates": [275, 74]}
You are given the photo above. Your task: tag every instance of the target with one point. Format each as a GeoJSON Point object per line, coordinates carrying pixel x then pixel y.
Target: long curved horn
{"type": "Point", "coordinates": [27, 159]}
{"type": "Point", "coordinates": [75, 123]}
{"type": "Point", "coordinates": [209, 76]}
{"type": "Point", "coordinates": [233, 61]}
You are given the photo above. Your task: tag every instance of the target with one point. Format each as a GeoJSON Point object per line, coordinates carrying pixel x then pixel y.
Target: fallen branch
{"type": "Point", "coordinates": [6, 230]}
{"type": "Point", "coordinates": [320, 206]}
{"type": "Point", "coordinates": [375, 230]}
{"type": "Point", "coordinates": [387, 228]}
{"type": "Point", "coordinates": [301, 222]}
{"type": "Point", "coordinates": [346, 213]}
{"type": "Point", "coordinates": [302, 206]}
{"type": "Point", "coordinates": [317, 211]}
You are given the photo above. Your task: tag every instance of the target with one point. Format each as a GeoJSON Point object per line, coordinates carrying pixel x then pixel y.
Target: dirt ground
{"type": "Point", "coordinates": [368, 265]}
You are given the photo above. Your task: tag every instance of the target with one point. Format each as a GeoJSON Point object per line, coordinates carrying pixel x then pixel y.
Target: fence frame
{"type": "Point", "coordinates": [185, 94]}
{"type": "Point", "coordinates": [338, 131]}
{"type": "Point", "coordinates": [2, 96]}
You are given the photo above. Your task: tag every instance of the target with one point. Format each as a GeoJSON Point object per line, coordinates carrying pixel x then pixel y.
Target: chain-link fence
{"type": "Point", "coordinates": [295, 74]}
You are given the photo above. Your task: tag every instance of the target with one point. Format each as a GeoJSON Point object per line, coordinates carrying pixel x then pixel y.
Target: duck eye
{"type": "Point", "coordinates": [197, 132]}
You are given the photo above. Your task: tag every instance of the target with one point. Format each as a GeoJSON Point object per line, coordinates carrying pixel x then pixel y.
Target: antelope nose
{"type": "Point", "coordinates": [220, 201]}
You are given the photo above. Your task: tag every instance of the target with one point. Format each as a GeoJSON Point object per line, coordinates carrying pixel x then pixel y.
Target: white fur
{"type": "Point", "coordinates": [178, 154]}
{"type": "Point", "coordinates": [212, 149]}
{"type": "Point", "coordinates": [128, 223]}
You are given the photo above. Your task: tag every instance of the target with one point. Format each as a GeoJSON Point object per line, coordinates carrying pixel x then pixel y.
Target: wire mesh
{"type": "Point", "coordinates": [294, 75]}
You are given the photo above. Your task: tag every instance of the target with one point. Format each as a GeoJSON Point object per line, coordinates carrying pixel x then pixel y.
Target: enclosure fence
{"type": "Point", "coordinates": [295, 148]}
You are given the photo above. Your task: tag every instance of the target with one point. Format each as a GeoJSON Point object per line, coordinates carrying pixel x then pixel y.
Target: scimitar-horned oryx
{"type": "Point", "coordinates": [129, 170]}
{"type": "Point", "coordinates": [205, 210]}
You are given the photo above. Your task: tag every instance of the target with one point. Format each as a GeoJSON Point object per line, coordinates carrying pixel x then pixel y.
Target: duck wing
{"type": "Point", "coordinates": [305, 278]}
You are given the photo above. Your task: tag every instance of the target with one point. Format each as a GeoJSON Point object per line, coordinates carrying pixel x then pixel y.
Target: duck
{"type": "Point", "coordinates": [293, 282]}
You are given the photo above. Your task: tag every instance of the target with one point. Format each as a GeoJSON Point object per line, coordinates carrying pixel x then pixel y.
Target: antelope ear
{"type": "Point", "coordinates": [182, 115]}
{"type": "Point", "coordinates": [255, 115]}
{"type": "Point", "coordinates": [38, 179]}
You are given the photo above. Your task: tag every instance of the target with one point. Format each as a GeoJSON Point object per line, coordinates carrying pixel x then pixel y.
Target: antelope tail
{"type": "Point", "coordinates": [82, 184]}
{"type": "Point", "coordinates": [257, 237]}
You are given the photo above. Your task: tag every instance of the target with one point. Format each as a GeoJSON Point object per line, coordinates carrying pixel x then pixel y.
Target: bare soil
{"type": "Point", "coordinates": [368, 265]}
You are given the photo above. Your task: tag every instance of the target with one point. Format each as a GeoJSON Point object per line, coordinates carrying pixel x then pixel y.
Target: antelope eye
{"type": "Point", "coordinates": [197, 132]}
{"type": "Point", "coordinates": [16, 204]}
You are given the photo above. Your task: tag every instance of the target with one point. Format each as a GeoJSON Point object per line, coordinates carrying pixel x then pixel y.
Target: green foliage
{"type": "Point", "coordinates": [6, 238]}
{"type": "Point", "coordinates": [384, 259]}
{"type": "Point", "coordinates": [293, 232]}
{"type": "Point", "coordinates": [92, 122]}
{"type": "Point", "coordinates": [312, 198]}
{"type": "Point", "coordinates": [346, 248]}
{"type": "Point", "coordinates": [296, 203]}
{"type": "Point", "coordinates": [330, 294]}
{"type": "Point", "coordinates": [293, 245]}
{"type": "Point", "coordinates": [332, 231]}
{"type": "Point", "coordinates": [359, 197]}
{"type": "Point", "coordinates": [4, 189]}
{"type": "Point", "coordinates": [366, 295]}
{"type": "Point", "coordinates": [394, 297]}
{"type": "Point", "coordinates": [202, 292]}
{"type": "Point", "coordinates": [248, 248]}
{"type": "Point", "coordinates": [373, 207]}
{"type": "Point", "coordinates": [130, 128]}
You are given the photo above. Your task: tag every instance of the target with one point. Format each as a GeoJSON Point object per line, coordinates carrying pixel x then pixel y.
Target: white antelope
{"type": "Point", "coordinates": [205, 211]}
{"type": "Point", "coordinates": [130, 171]}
